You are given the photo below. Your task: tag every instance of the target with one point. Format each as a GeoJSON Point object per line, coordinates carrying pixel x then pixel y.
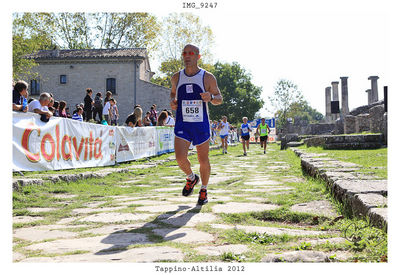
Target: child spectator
{"type": "Point", "coordinates": [98, 107]}
{"type": "Point", "coordinates": [78, 114]}
{"type": "Point", "coordinates": [162, 118]}
{"type": "Point", "coordinates": [131, 120]}
{"type": "Point", "coordinates": [108, 97]}
{"type": "Point", "coordinates": [106, 111]}
{"type": "Point", "coordinates": [114, 112]}
{"type": "Point", "coordinates": [147, 120]}
{"type": "Point", "coordinates": [62, 109]}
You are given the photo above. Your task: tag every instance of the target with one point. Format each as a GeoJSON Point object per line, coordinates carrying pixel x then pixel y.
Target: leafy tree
{"type": "Point", "coordinates": [178, 30]}
{"type": "Point", "coordinates": [240, 96]}
{"type": "Point", "coordinates": [285, 94]}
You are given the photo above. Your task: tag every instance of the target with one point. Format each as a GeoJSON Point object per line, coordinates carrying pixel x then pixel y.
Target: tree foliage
{"type": "Point", "coordinates": [240, 96]}
{"type": "Point", "coordinates": [288, 102]}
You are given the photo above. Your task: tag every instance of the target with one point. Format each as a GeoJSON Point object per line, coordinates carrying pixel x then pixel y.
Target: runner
{"type": "Point", "coordinates": [191, 89]}
{"type": "Point", "coordinates": [224, 127]}
{"type": "Point", "coordinates": [245, 130]}
{"type": "Point", "coordinates": [263, 133]}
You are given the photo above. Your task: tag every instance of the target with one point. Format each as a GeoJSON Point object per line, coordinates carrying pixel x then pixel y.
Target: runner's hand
{"type": "Point", "coordinates": [206, 97]}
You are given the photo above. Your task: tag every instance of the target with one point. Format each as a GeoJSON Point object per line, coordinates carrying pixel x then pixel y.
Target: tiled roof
{"type": "Point", "coordinates": [88, 53]}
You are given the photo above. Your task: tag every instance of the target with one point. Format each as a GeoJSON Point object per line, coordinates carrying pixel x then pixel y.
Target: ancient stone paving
{"type": "Point", "coordinates": [158, 224]}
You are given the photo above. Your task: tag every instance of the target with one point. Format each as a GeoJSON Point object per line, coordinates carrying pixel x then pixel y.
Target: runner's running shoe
{"type": "Point", "coordinates": [188, 189]}
{"type": "Point", "coordinates": [202, 197]}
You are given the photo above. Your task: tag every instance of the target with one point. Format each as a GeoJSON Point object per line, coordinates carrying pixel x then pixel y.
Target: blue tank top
{"type": "Point", "coordinates": [245, 129]}
{"type": "Point", "coordinates": [192, 111]}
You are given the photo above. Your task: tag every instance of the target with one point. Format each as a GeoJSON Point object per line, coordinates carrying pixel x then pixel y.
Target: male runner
{"type": "Point", "coordinates": [191, 89]}
{"type": "Point", "coordinates": [263, 131]}
{"type": "Point", "coordinates": [245, 130]}
{"type": "Point", "coordinates": [224, 127]}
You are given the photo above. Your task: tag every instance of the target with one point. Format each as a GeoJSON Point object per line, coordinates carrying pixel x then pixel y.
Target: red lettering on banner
{"type": "Point", "coordinates": [78, 150]}
{"type": "Point", "coordinates": [98, 155]}
{"type": "Point", "coordinates": [48, 157]}
{"type": "Point", "coordinates": [58, 141]}
{"type": "Point", "coordinates": [32, 157]}
{"type": "Point", "coordinates": [91, 145]}
{"type": "Point", "coordinates": [61, 148]}
{"type": "Point", "coordinates": [64, 140]}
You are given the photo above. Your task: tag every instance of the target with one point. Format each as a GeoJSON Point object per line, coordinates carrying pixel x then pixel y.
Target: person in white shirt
{"type": "Point", "coordinates": [170, 121]}
{"type": "Point", "coordinates": [78, 115]}
{"type": "Point", "coordinates": [106, 111]}
{"type": "Point", "coordinates": [40, 106]}
{"type": "Point", "coordinates": [224, 127]}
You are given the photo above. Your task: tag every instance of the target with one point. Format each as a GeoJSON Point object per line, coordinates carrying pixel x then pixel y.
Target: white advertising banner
{"type": "Point", "coordinates": [135, 143]}
{"type": "Point", "coordinates": [165, 138]}
{"type": "Point", "coordinates": [60, 143]}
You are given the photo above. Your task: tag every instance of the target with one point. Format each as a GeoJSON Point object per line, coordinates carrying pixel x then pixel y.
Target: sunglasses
{"type": "Point", "coordinates": [188, 53]}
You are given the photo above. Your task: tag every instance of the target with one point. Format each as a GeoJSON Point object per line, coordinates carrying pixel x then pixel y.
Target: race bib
{"type": "Point", "coordinates": [192, 110]}
{"type": "Point", "coordinates": [245, 130]}
{"type": "Point", "coordinates": [263, 131]}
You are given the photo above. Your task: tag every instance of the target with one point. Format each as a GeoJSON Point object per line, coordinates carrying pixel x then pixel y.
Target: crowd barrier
{"type": "Point", "coordinates": [65, 143]}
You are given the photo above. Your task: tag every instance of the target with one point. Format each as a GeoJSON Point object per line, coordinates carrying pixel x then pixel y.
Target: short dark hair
{"type": "Point", "coordinates": [20, 86]}
{"type": "Point", "coordinates": [98, 94]}
{"type": "Point", "coordinates": [88, 90]}
{"type": "Point", "coordinates": [131, 118]}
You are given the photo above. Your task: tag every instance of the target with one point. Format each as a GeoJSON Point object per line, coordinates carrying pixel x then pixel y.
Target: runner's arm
{"type": "Point", "coordinates": [172, 100]}
{"type": "Point", "coordinates": [212, 94]}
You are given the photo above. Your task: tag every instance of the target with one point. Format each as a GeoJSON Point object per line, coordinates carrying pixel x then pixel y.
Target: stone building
{"type": "Point", "coordinates": [125, 72]}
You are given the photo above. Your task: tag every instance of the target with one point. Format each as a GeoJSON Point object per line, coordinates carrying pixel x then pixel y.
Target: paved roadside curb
{"type": "Point", "coordinates": [364, 194]}
{"type": "Point", "coordinates": [18, 183]}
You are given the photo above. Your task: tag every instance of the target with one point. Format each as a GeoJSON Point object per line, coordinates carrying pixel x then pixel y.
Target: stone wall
{"type": "Point", "coordinates": [371, 141]}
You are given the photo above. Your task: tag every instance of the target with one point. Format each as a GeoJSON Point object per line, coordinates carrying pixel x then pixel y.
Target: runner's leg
{"type": "Point", "coordinates": [181, 153]}
{"type": "Point", "coordinates": [205, 167]}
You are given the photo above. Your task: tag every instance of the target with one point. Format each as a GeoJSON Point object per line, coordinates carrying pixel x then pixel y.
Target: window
{"type": "Point", "coordinates": [110, 85]}
{"type": "Point", "coordinates": [35, 87]}
{"type": "Point", "coordinates": [63, 79]}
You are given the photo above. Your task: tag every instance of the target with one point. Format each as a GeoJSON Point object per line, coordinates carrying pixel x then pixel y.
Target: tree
{"type": "Point", "coordinates": [92, 30]}
{"type": "Point", "coordinates": [178, 30]}
{"type": "Point", "coordinates": [240, 96]}
{"type": "Point", "coordinates": [285, 94]}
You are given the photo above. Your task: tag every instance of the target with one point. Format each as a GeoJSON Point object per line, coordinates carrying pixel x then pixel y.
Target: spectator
{"type": "Point", "coordinates": [20, 96]}
{"type": "Point", "coordinates": [78, 114]}
{"type": "Point", "coordinates": [131, 120]}
{"type": "Point", "coordinates": [170, 121]}
{"type": "Point", "coordinates": [98, 107]}
{"type": "Point", "coordinates": [106, 111]}
{"type": "Point", "coordinates": [51, 102]}
{"type": "Point", "coordinates": [162, 118]}
{"type": "Point", "coordinates": [108, 97]}
{"type": "Point", "coordinates": [114, 112]}
{"type": "Point", "coordinates": [88, 104]}
{"type": "Point", "coordinates": [40, 106]}
{"type": "Point", "coordinates": [147, 120]}
{"type": "Point", "coordinates": [67, 112]}
{"type": "Point", "coordinates": [153, 115]}
{"type": "Point", "coordinates": [52, 109]}
{"type": "Point", "coordinates": [138, 113]}
{"type": "Point", "coordinates": [62, 109]}
{"type": "Point", "coordinates": [56, 106]}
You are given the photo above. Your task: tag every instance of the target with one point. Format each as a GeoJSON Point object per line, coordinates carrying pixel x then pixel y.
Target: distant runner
{"type": "Point", "coordinates": [224, 127]}
{"type": "Point", "coordinates": [263, 130]}
{"type": "Point", "coordinates": [191, 89]}
{"type": "Point", "coordinates": [245, 131]}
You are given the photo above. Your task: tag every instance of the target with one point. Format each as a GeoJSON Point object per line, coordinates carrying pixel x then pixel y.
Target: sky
{"type": "Point", "coordinates": [312, 49]}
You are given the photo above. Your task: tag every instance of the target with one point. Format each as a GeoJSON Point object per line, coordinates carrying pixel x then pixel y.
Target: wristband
{"type": "Point", "coordinates": [212, 97]}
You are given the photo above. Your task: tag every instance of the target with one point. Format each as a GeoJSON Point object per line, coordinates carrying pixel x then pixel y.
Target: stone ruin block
{"type": "Point", "coordinates": [377, 120]}
{"type": "Point", "coordinates": [349, 124]}
{"type": "Point", "coordinates": [362, 123]}
{"type": "Point", "coordinates": [339, 127]}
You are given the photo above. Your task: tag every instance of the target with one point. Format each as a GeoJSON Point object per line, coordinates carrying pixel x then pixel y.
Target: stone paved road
{"type": "Point", "coordinates": [157, 224]}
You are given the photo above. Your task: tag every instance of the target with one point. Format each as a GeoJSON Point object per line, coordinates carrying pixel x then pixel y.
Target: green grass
{"type": "Point", "coordinates": [372, 161]}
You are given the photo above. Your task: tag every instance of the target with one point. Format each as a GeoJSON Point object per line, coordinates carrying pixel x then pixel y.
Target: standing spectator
{"type": "Point", "coordinates": [108, 97]}
{"type": "Point", "coordinates": [67, 112]}
{"type": "Point", "coordinates": [20, 96]}
{"type": "Point", "coordinates": [114, 112]}
{"type": "Point", "coordinates": [56, 106]}
{"type": "Point", "coordinates": [78, 114]}
{"type": "Point", "coordinates": [62, 109]}
{"type": "Point", "coordinates": [138, 113]}
{"type": "Point", "coordinates": [162, 118]}
{"type": "Point", "coordinates": [88, 104]}
{"type": "Point", "coordinates": [147, 120]}
{"type": "Point", "coordinates": [106, 111]}
{"type": "Point", "coordinates": [153, 114]}
{"type": "Point", "coordinates": [98, 107]}
{"type": "Point", "coordinates": [40, 106]}
{"type": "Point", "coordinates": [51, 102]}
